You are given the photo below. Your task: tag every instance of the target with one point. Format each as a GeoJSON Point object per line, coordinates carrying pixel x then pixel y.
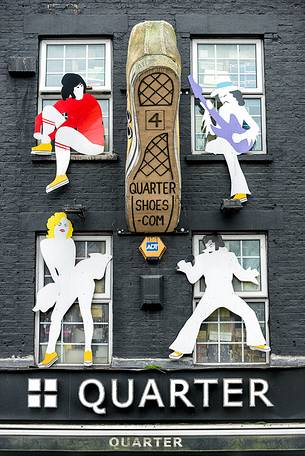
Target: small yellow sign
{"type": "Point", "coordinates": [152, 248]}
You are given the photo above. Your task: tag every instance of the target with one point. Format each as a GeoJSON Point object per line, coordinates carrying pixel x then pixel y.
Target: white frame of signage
{"type": "Point", "coordinates": [99, 298]}
{"type": "Point", "coordinates": [258, 92]}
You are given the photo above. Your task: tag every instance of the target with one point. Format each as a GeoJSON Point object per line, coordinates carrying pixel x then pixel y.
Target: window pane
{"type": "Point", "coordinates": [207, 353]}
{"type": "Point", "coordinates": [227, 51]}
{"type": "Point", "coordinates": [251, 247]}
{"type": "Point", "coordinates": [230, 353]}
{"type": "Point", "coordinates": [75, 66]}
{"type": "Point", "coordinates": [73, 354]}
{"type": "Point", "coordinates": [206, 51]}
{"type": "Point", "coordinates": [259, 309]}
{"type": "Point", "coordinates": [230, 332]}
{"type": "Point", "coordinates": [75, 51]}
{"type": "Point", "coordinates": [100, 286]}
{"type": "Point", "coordinates": [96, 66]}
{"type": "Point", "coordinates": [100, 313]}
{"type": "Point", "coordinates": [253, 356]}
{"type": "Point", "coordinates": [95, 78]}
{"type": "Point", "coordinates": [247, 51]}
{"type": "Point", "coordinates": [100, 334]}
{"type": "Point", "coordinates": [100, 354]}
{"type": "Point", "coordinates": [55, 51]}
{"type": "Point", "coordinates": [96, 51]}
{"type": "Point", "coordinates": [53, 80]}
{"type": "Point", "coordinates": [80, 249]}
{"type": "Point", "coordinates": [226, 315]}
{"type": "Point", "coordinates": [96, 247]}
{"type": "Point", "coordinates": [233, 246]}
{"type": "Point", "coordinates": [55, 66]}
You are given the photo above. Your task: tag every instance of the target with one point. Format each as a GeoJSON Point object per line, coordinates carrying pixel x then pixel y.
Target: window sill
{"type": "Point", "coordinates": [205, 157]}
{"type": "Point", "coordinates": [109, 156]}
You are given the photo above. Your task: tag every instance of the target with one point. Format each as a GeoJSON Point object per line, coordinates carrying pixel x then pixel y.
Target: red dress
{"type": "Point", "coordinates": [83, 115]}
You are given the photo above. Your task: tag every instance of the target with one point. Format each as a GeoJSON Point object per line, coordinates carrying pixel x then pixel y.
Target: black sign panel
{"type": "Point", "coordinates": [153, 396]}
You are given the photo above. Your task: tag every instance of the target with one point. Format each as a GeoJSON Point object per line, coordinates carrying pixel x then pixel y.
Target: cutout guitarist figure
{"type": "Point", "coordinates": [227, 124]}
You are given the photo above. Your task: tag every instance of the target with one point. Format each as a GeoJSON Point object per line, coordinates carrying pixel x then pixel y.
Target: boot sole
{"type": "Point", "coordinates": [153, 184]}
{"type": "Point", "coordinates": [43, 366]}
{"type": "Point", "coordinates": [49, 190]}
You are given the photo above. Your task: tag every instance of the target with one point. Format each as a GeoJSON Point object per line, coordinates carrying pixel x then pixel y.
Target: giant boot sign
{"type": "Point", "coordinates": [153, 159]}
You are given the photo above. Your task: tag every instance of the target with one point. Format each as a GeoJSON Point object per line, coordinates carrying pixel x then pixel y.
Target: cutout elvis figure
{"type": "Point", "coordinates": [75, 121]}
{"type": "Point", "coordinates": [71, 282]}
{"type": "Point", "coordinates": [227, 126]}
{"type": "Point", "coordinates": [218, 266]}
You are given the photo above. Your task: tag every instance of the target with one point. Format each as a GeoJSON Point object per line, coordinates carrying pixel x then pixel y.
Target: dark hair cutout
{"type": "Point", "coordinates": [236, 94]}
{"type": "Point", "coordinates": [214, 237]}
{"type": "Point", "coordinates": [69, 81]}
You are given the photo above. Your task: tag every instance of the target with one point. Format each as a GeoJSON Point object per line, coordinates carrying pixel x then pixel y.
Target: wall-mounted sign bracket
{"type": "Point", "coordinates": [228, 205]}
{"type": "Point", "coordinates": [77, 209]}
{"type": "Point", "coordinates": [125, 232]}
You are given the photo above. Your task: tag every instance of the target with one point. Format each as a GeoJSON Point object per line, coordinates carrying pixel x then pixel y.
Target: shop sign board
{"type": "Point", "coordinates": [153, 396]}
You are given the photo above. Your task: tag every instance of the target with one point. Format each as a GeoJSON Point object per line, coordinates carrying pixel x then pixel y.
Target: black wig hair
{"type": "Point", "coordinates": [214, 237]}
{"type": "Point", "coordinates": [236, 94]}
{"type": "Point", "coordinates": [69, 81]}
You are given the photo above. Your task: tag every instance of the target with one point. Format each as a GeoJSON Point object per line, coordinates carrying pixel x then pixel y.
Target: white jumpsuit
{"type": "Point", "coordinates": [218, 269]}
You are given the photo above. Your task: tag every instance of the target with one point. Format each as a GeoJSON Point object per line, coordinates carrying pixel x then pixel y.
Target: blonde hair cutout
{"type": "Point", "coordinates": [54, 220]}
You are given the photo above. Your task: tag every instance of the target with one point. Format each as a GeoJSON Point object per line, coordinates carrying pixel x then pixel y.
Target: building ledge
{"type": "Point", "coordinates": [258, 158]}
{"type": "Point", "coordinates": [108, 156]}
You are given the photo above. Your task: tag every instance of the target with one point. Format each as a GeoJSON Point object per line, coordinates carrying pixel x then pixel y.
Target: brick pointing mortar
{"type": "Point", "coordinates": [279, 185]}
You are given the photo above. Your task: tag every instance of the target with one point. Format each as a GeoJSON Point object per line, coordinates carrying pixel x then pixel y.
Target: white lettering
{"type": "Point", "coordinates": [178, 442]}
{"type": "Point", "coordinates": [181, 394]}
{"type": "Point", "coordinates": [99, 401]}
{"type": "Point", "coordinates": [205, 393]}
{"type": "Point", "coordinates": [227, 382]}
{"type": "Point", "coordinates": [136, 442]}
{"type": "Point", "coordinates": [114, 442]}
{"type": "Point", "coordinates": [114, 394]}
{"type": "Point", "coordinates": [155, 396]}
{"type": "Point", "coordinates": [261, 393]}
{"type": "Point", "coordinates": [147, 442]}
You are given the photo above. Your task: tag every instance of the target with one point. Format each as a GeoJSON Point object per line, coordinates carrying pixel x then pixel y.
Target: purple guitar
{"type": "Point", "coordinates": [223, 129]}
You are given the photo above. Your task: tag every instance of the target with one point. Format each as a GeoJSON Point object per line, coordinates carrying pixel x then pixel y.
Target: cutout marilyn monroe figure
{"type": "Point", "coordinates": [75, 121]}
{"type": "Point", "coordinates": [71, 282]}
{"type": "Point", "coordinates": [228, 125]}
{"type": "Point", "coordinates": [218, 266]}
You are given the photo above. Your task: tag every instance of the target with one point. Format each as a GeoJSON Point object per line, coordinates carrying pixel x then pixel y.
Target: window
{"type": "Point", "coordinates": [70, 345]}
{"type": "Point", "coordinates": [242, 61]}
{"type": "Point", "coordinates": [221, 339]}
{"type": "Point", "coordinates": [89, 58]}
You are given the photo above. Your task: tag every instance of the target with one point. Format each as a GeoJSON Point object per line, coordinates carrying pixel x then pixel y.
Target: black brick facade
{"type": "Point", "coordinates": [278, 184]}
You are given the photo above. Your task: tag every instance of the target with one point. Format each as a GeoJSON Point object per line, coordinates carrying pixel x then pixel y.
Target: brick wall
{"type": "Point", "coordinates": [278, 187]}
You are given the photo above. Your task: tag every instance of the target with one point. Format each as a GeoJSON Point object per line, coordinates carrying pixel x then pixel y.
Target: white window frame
{"type": "Point", "coordinates": [258, 92]}
{"type": "Point", "coordinates": [99, 92]}
{"type": "Point", "coordinates": [248, 296]}
{"type": "Point", "coordinates": [98, 298]}
{"type": "Point", "coordinates": [43, 63]}
{"type": "Point", "coordinates": [263, 293]}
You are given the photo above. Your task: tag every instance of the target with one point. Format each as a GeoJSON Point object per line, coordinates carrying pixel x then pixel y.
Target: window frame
{"type": "Point", "coordinates": [263, 293]}
{"type": "Point", "coordinates": [248, 296]}
{"type": "Point", "coordinates": [254, 93]}
{"type": "Point", "coordinates": [98, 298]}
{"type": "Point", "coordinates": [43, 61]}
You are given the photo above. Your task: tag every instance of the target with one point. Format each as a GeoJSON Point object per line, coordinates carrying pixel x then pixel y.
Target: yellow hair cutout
{"type": "Point", "coordinates": [54, 220]}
